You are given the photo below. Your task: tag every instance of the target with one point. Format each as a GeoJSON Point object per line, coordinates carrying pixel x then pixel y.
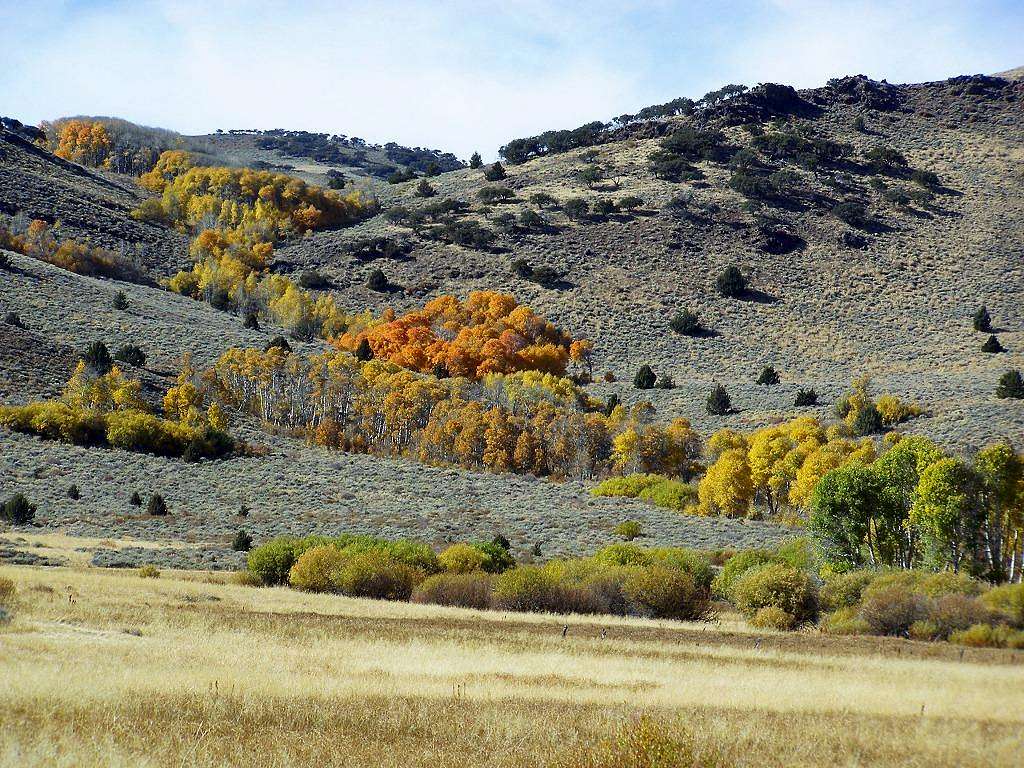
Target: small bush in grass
{"type": "Point", "coordinates": [242, 541]}
{"type": "Point", "coordinates": [773, 618]}
{"type": "Point", "coordinates": [377, 574]}
{"type": "Point", "coordinates": [671, 494]}
{"type": "Point", "coordinates": [495, 194]}
{"type": "Point", "coordinates": [853, 213]}
{"type": "Point", "coordinates": [462, 558]}
{"type": "Point", "coordinates": [278, 342]}
{"type": "Point", "coordinates": [317, 569]}
{"type": "Point", "coordinates": [73, 492]}
{"type": "Point", "coordinates": [135, 500]}
{"type": "Point", "coordinates": [805, 398]}
{"type": "Point", "coordinates": [768, 376]}
{"type": "Point", "coordinates": [17, 510]}
{"type": "Point", "coordinates": [643, 743]}
{"type": "Point", "coordinates": [982, 320]}
{"type": "Point", "coordinates": [629, 530]}
{"type": "Point", "coordinates": [924, 630]}
{"type": "Point", "coordinates": [1006, 602]}
{"type": "Point", "coordinates": [497, 555]}
{"type": "Point", "coordinates": [245, 579]}
{"type": "Point", "coordinates": [844, 621]}
{"type": "Point", "coordinates": [149, 571]}
{"type": "Point", "coordinates": [156, 506]}
{"type": "Point", "coordinates": [844, 590]}
{"type": "Point", "coordinates": [666, 593]}
{"type": "Point", "coordinates": [465, 590]}
{"type": "Point", "coordinates": [576, 208]}
{"type": "Point", "coordinates": [686, 323]}
{"type": "Point", "coordinates": [780, 586]}
{"type": "Point", "coordinates": [891, 610]}
{"type": "Point", "coordinates": [992, 345]}
{"type": "Point", "coordinates": [731, 283]}
{"type": "Point", "coordinates": [120, 301]}
{"type": "Point", "coordinates": [7, 592]}
{"type": "Point", "coordinates": [425, 189]}
{"type": "Point", "coordinates": [718, 403]}
{"type": "Point", "coordinates": [543, 200]}
{"type": "Point", "coordinates": [949, 583]}
{"type": "Point", "coordinates": [12, 318]}
{"type": "Point", "coordinates": [251, 322]}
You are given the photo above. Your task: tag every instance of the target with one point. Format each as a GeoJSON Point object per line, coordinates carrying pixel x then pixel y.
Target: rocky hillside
{"type": "Point", "coordinates": [857, 263]}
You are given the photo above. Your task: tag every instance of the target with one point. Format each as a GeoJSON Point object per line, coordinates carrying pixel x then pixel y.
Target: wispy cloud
{"type": "Point", "coordinates": [460, 75]}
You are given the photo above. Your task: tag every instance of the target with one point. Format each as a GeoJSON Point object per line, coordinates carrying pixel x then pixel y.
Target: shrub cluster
{"type": "Point", "coordinates": [657, 489]}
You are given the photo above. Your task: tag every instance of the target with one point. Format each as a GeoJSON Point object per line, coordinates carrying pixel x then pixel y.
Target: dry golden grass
{"type": "Point", "coordinates": [103, 668]}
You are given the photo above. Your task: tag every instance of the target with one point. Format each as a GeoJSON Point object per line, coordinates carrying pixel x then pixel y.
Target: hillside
{"type": "Point", "coordinates": [891, 297]}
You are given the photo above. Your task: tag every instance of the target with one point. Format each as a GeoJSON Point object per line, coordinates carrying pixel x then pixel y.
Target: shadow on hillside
{"type": "Point", "coordinates": [754, 296]}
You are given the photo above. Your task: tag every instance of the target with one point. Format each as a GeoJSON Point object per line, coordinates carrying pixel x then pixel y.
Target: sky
{"type": "Point", "coordinates": [462, 76]}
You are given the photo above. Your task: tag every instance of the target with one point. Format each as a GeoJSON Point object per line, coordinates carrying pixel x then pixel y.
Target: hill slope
{"type": "Point", "coordinates": [893, 299]}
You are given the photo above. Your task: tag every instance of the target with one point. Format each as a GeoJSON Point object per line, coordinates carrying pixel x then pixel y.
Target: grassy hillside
{"type": "Point", "coordinates": [105, 666]}
{"type": "Point", "coordinates": [891, 297]}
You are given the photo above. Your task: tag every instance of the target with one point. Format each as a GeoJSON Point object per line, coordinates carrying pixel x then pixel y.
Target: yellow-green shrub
{"type": "Point", "coordinates": [461, 558]}
{"type": "Point", "coordinates": [735, 567]}
{"type": "Point", "coordinates": [988, 636]}
{"type": "Point", "coordinates": [7, 592]}
{"type": "Point", "coordinates": [772, 617]}
{"type": "Point", "coordinates": [892, 610]}
{"type": "Point", "coordinates": [844, 590]}
{"type": "Point", "coordinates": [844, 621]}
{"type": "Point", "coordinates": [466, 590]}
{"type": "Point", "coordinates": [1007, 601]}
{"type": "Point", "coordinates": [379, 575]}
{"type": "Point", "coordinates": [317, 569]}
{"type": "Point", "coordinates": [666, 593]}
{"type": "Point", "coordinates": [780, 586]}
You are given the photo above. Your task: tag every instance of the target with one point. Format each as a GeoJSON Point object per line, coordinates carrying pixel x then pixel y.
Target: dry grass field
{"type": "Point", "coordinates": [105, 668]}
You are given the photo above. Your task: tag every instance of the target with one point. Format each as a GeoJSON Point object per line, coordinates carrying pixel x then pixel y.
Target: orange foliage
{"type": "Point", "coordinates": [489, 333]}
{"type": "Point", "coordinates": [84, 141]}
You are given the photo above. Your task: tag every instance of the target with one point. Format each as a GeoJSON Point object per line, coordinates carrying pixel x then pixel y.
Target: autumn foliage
{"type": "Point", "coordinates": [488, 333]}
{"type": "Point", "coordinates": [40, 241]}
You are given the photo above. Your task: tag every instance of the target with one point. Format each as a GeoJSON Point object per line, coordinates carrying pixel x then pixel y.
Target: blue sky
{"type": "Point", "coordinates": [461, 75]}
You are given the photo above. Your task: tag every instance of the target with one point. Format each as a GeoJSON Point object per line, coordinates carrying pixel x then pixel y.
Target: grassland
{"type": "Point", "coordinates": [104, 668]}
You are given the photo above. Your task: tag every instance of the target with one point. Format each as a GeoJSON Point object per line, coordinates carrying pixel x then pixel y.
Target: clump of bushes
{"type": "Point", "coordinates": [731, 283]}
{"type": "Point", "coordinates": [657, 489]}
{"type": "Point", "coordinates": [718, 403]}
{"type": "Point", "coordinates": [686, 323]}
{"type": "Point", "coordinates": [466, 590]}
{"type": "Point", "coordinates": [629, 529]}
{"type": "Point", "coordinates": [1011, 385]}
{"type": "Point", "coordinates": [778, 586]}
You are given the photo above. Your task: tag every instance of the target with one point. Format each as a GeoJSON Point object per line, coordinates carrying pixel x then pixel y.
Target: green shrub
{"type": "Point", "coordinates": [629, 530]}
{"type": "Point", "coordinates": [17, 510]}
{"type": "Point", "coordinates": [768, 376]}
{"type": "Point", "coordinates": [497, 558]}
{"type": "Point", "coordinates": [924, 630]}
{"type": "Point", "coordinates": [149, 572]}
{"type": "Point", "coordinates": [992, 345]}
{"type": "Point", "coordinates": [1007, 602]}
{"type": "Point", "coordinates": [462, 558]}
{"type": "Point", "coordinates": [1011, 385]}
{"type": "Point", "coordinates": [666, 593]}
{"type": "Point", "coordinates": [132, 355]}
{"type": "Point", "coordinates": [73, 493]}
{"type": "Point", "coordinates": [496, 194]}
{"type": "Point", "coordinates": [949, 583]}
{"type": "Point", "coordinates": [120, 301]}
{"type": "Point", "coordinates": [686, 323]}
{"type": "Point", "coordinates": [377, 280]}
{"type": "Point", "coordinates": [465, 590]}
{"type": "Point", "coordinates": [135, 500]}
{"type": "Point", "coordinates": [892, 610]}
{"type": "Point", "coordinates": [576, 208]}
{"type": "Point", "coordinates": [495, 172]}
{"type": "Point", "coordinates": [97, 357]}
{"type": "Point", "coordinates": [690, 561]}
{"type": "Point", "coordinates": [780, 586]}
{"type": "Point", "coordinates": [844, 590]}
{"type": "Point", "coordinates": [844, 621]}
{"type": "Point", "coordinates": [379, 575]}
{"type": "Point", "coordinates": [805, 398]}
{"type": "Point", "coordinates": [272, 561]}
{"type": "Point", "coordinates": [671, 494]}
{"type": "Point", "coordinates": [735, 567]}
{"type": "Point", "coordinates": [645, 378]}
{"type": "Point", "coordinates": [982, 320]}
{"type": "Point", "coordinates": [622, 554]}
{"type": "Point", "coordinates": [629, 486]}
{"type": "Point", "coordinates": [731, 283]}
{"type": "Point", "coordinates": [317, 569]}
{"type": "Point", "coordinates": [773, 618]}
{"type": "Point", "coordinates": [798, 552]}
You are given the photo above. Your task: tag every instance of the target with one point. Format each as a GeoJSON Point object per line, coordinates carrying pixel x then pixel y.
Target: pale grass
{"type": "Point", "coordinates": [105, 668]}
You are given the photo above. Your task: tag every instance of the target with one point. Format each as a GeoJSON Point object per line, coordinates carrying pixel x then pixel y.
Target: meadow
{"type": "Point", "coordinates": [107, 668]}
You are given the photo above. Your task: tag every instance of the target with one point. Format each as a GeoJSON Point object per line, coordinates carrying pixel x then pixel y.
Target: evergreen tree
{"type": "Point", "coordinates": [377, 281]}
{"type": "Point", "coordinates": [644, 378]}
{"type": "Point", "coordinates": [686, 323]}
{"type": "Point", "coordinates": [136, 500]}
{"type": "Point", "coordinates": [495, 172]}
{"type": "Point", "coordinates": [17, 510]}
{"type": "Point", "coordinates": [97, 357]}
{"type": "Point", "coordinates": [805, 397]}
{"type": "Point", "coordinates": [1011, 385]}
{"type": "Point", "coordinates": [992, 345]}
{"type": "Point", "coordinates": [157, 506]}
{"type": "Point", "coordinates": [867, 421]}
{"type": "Point", "coordinates": [364, 353]}
{"type": "Point", "coordinates": [242, 541]}
{"type": "Point", "coordinates": [982, 320]}
{"type": "Point", "coordinates": [719, 403]}
{"type": "Point", "coordinates": [120, 300]}
{"type": "Point", "coordinates": [768, 376]}
{"type": "Point", "coordinates": [475, 161]}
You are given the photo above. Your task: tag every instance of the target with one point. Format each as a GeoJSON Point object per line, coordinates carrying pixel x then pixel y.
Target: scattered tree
{"type": "Point", "coordinates": [97, 357]}
{"type": "Point", "coordinates": [731, 283]}
{"type": "Point", "coordinates": [686, 323]}
{"type": "Point", "coordinates": [242, 541]}
{"type": "Point", "coordinates": [982, 320]}
{"type": "Point", "coordinates": [120, 301]}
{"type": "Point", "coordinates": [17, 510]}
{"type": "Point", "coordinates": [645, 378]}
{"type": "Point", "coordinates": [768, 376]}
{"type": "Point", "coordinates": [992, 345]}
{"type": "Point", "coordinates": [495, 172]}
{"type": "Point", "coordinates": [805, 398]}
{"type": "Point", "coordinates": [377, 281]}
{"type": "Point", "coordinates": [719, 403]}
{"type": "Point", "coordinates": [475, 161]}
{"type": "Point", "coordinates": [1011, 385]}
{"type": "Point", "coordinates": [156, 507]}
